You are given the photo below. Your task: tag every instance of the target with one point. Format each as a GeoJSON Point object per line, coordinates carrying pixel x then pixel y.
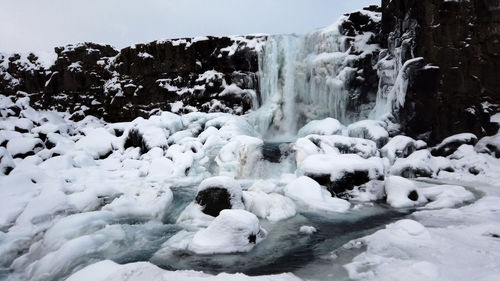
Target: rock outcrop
{"type": "Point", "coordinates": [194, 74]}
{"type": "Point", "coordinates": [457, 88]}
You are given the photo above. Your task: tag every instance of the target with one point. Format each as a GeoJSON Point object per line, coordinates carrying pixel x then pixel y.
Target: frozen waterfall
{"type": "Point", "coordinates": [304, 78]}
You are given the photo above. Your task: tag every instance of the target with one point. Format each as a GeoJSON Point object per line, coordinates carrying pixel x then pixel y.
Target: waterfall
{"type": "Point", "coordinates": [303, 78]}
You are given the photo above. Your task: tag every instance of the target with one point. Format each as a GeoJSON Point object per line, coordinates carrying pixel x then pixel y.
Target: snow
{"type": "Point", "coordinates": [327, 126]}
{"type": "Point", "coordinates": [231, 185]}
{"type": "Point", "coordinates": [230, 232]}
{"type": "Point", "coordinates": [307, 229]}
{"type": "Point", "coordinates": [110, 271]}
{"type": "Point", "coordinates": [419, 163]}
{"type": "Point", "coordinates": [399, 191]}
{"type": "Point", "coordinates": [308, 192]}
{"type": "Point", "coordinates": [369, 129]}
{"type": "Point", "coordinates": [338, 165]}
{"type": "Point", "coordinates": [270, 206]}
{"type": "Point", "coordinates": [398, 147]}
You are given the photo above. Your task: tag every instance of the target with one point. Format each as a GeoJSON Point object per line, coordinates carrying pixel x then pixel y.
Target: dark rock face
{"type": "Point", "coordinates": [210, 74]}
{"type": "Point", "coordinates": [458, 89]}
{"type": "Point", "coordinates": [214, 200]}
{"type": "Point", "coordinates": [413, 195]}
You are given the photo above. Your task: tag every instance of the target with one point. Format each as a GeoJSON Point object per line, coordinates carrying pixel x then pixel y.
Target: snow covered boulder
{"type": "Point", "coordinates": [240, 156]}
{"type": "Point", "coordinates": [339, 173]}
{"type": "Point", "coordinates": [232, 231]}
{"type": "Point", "coordinates": [6, 162]}
{"type": "Point", "coordinates": [369, 129]}
{"type": "Point", "coordinates": [446, 196]}
{"type": "Point", "coordinates": [452, 143]}
{"type": "Point", "coordinates": [272, 206]}
{"type": "Point", "coordinates": [218, 193]}
{"type": "Point", "coordinates": [403, 193]}
{"type": "Point", "coordinates": [420, 164]}
{"type": "Point", "coordinates": [23, 147]}
{"type": "Point", "coordinates": [489, 145]}
{"type": "Point", "coordinates": [327, 126]}
{"type": "Point", "coordinates": [398, 147]}
{"type": "Point", "coordinates": [308, 192]}
{"type": "Point", "coordinates": [97, 142]}
{"type": "Point", "coordinates": [345, 145]}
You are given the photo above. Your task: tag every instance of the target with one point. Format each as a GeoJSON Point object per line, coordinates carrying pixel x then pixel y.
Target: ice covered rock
{"type": "Point", "coordinates": [446, 196]}
{"type": "Point", "coordinates": [240, 156]}
{"type": "Point", "coordinates": [489, 145]}
{"type": "Point", "coordinates": [22, 147]}
{"type": "Point", "coordinates": [306, 229]}
{"type": "Point", "coordinates": [371, 191]}
{"type": "Point", "coordinates": [452, 143]}
{"type": "Point", "coordinates": [230, 232]}
{"type": "Point", "coordinates": [339, 173]}
{"type": "Point", "coordinates": [270, 206]}
{"type": "Point", "coordinates": [308, 192]}
{"type": "Point", "coordinates": [420, 164]}
{"type": "Point", "coordinates": [97, 142]}
{"type": "Point", "coordinates": [398, 147]}
{"type": "Point", "coordinates": [108, 270]}
{"type": "Point", "coordinates": [327, 126]}
{"type": "Point", "coordinates": [369, 129]}
{"type": "Point", "coordinates": [218, 193]}
{"type": "Point", "coordinates": [402, 193]}
{"type": "Point", "coordinates": [341, 145]}
{"type": "Point", "coordinates": [6, 162]}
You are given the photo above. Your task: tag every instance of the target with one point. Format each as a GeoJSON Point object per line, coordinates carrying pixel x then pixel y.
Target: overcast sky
{"type": "Point", "coordinates": [43, 24]}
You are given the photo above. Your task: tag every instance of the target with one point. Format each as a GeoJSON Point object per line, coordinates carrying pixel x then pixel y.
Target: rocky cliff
{"type": "Point", "coordinates": [456, 87]}
{"type": "Point", "coordinates": [433, 63]}
{"type": "Point", "coordinates": [182, 75]}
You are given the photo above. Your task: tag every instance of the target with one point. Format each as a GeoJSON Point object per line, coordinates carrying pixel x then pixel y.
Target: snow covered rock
{"type": "Point", "coordinates": [452, 143]}
{"type": "Point", "coordinates": [23, 147]}
{"type": "Point", "coordinates": [446, 196]}
{"type": "Point", "coordinates": [6, 161]}
{"type": "Point", "coordinates": [308, 192]}
{"type": "Point", "coordinates": [369, 129]}
{"type": "Point", "coordinates": [272, 206]}
{"type": "Point", "coordinates": [315, 144]}
{"type": "Point", "coordinates": [218, 193]}
{"type": "Point", "coordinates": [420, 164]}
{"type": "Point", "coordinates": [489, 145]}
{"type": "Point", "coordinates": [306, 229]}
{"type": "Point", "coordinates": [108, 270]}
{"type": "Point", "coordinates": [231, 232]}
{"type": "Point", "coordinates": [327, 126]}
{"type": "Point", "coordinates": [403, 193]}
{"type": "Point", "coordinates": [97, 142]}
{"type": "Point", "coordinates": [398, 147]}
{"type": "Point", "coordinates": [341, 172]}
{"type": "Point", "coordinates": [240, 156]}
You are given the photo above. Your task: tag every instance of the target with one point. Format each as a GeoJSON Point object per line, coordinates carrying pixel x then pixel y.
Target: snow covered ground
{"type": "Point", "coordinates": [90, 200]}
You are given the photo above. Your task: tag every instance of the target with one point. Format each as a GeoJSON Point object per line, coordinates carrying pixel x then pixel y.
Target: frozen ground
{"type": "Point", "coordinates": [90, 200]}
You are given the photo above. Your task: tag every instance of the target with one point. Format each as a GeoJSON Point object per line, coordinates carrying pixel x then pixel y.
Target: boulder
{"type": "Point", "coordinates": [369, 129]}
{"type": "Point", "coordinates": [232, 231]}
{"type": "Point", "coordinates": [6, 162]}
{"type": "Point", "coordinates": [219, 193]}
{"type": "Point", "coordinates": [399, 147]}
{"type": "Point", "coordinates": [420, 164]}
{"type": "Point", "coordinates": [339, 173]}
{"type": "Point", "coordinates": [450, 144]}
{"type": "Point", "coordinates": [403, 193]}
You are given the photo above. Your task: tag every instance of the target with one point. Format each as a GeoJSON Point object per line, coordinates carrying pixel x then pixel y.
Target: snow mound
{"type": "Point", "coordinates": [308, 192]}
{"type": "Point", "coordinates": [231, 232]}
{"type": "Point", "coordinates": [398, 147]}
{"type": "Point", "coordinates": [420, 164]}
{"type": "Point", "coordinates": [451, 143]}
{"type": "Point", "coordinates": [107, 270]}
{"type": "Point", "coordinates": [307, 229]}
{"type": "Point", "coordinates": [403, 193]}
{"type": "Point", "coordinates": [369, 129]}
{"type": "Point", "coordinates": [327, 126]}
{"type": "Point", "coordinates": [446, 196]}
{"type": "Point", "coordinates": [273, 206]}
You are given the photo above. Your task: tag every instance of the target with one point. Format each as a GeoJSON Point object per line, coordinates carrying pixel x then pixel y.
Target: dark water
{"type": "Point", "coordinates": [286, 249]}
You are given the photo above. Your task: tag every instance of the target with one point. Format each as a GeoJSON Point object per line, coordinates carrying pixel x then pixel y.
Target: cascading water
{"type": "Point", "coordinates": [304, 78]}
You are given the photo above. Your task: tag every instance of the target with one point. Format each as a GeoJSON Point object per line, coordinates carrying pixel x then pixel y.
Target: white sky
{"type": "Point", "coordinates": [43, 24]}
